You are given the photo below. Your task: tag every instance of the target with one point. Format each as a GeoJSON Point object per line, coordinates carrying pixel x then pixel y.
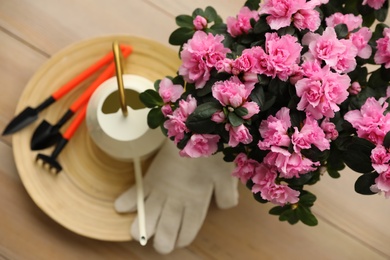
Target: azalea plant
{"type": "Point", "coordinates": [288, 90]}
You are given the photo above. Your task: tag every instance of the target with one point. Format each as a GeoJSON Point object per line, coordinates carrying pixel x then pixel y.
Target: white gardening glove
{"type": "Point", "coordinates": [178, 191]}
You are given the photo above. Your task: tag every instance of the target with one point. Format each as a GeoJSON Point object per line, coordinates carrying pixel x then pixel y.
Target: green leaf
{"type": "Point", "coordinates": [235, 120]}
{"type": "Point", "coordinates": [252, 4]}
{"type": "Point", "coordinates": [206, 110]}
{"type": "Point", "coordinates": [297, 118]}
{"type": "Point", "coordinates": [351, 7]}
{"type": "Point", "coordinates": [381, 14]}
{"type": "Point", "coordinates": [306, 216]}
{"type": "Point", "coordinates": [269, 101]}
{"type": "Point", "coordinates": [341, 30]}
{"type": "Point", "coordinates": [386, 141]}
{"type": "Point", "coordinates": [358, 101]}
{"type": "Point", "coordinates": [220, 28]}
{"type": "Point", "coordinates": [155, 118]}
{"type": "Point", "coordinates": [211, 15]}
{"type": "Point", "coordinates": [378, 33]}
{"type": "Point", "coordinates": [198, 11]}
{"type": "Point", "coordinates": [241, 111]}
{"type": "Point", "coordinates": [257, 95]}
{"type": "Point", "coordinates": [156, 84]}
{"type": "Point", "coordinates": [286, 30]}
{"type": "Point", "coordinates": [364, 182]}
{"type": "Point", "coordinates": [277, 210]}
{"type": "Point", "coordinates": [302, 180]}
{"type": "Point", "coordinates": [151, 98]}
{"type": "Point", "coordinates": [293, 219]}
{"type": "Point", "coordinates": [368, 19]}
{"type": "Point", "coordinates": [183, 142]}
{"type": "Point", "coordinates": [261, 26]}
{"type": "Point", "coordinates": [185, 21]}
{"type": "Point", "coordinates": [181, 36]}
{"type": "Point", "coordinates": [333, 173]}
{"type": "Point", "coordinates": [334, 162]}
{"type": "Point", "coordinates": [258, 198]}
{"type": "Point", "coordinates": [385, 74]}
{"type": "Point", "coordinates": [286, 214]}
{"type": "Point", "coordinates": [200, 120]}
{"type": "Point", "coordinates": [357, 155]}
{"type": "Point", "coordinates": [376, 79]}
{"type": "Point", "coordinates": [307, 199]}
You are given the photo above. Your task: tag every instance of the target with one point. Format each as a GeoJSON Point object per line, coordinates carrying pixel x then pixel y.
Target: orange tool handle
{"type": "Point", "coordinates": [106, 74]}
{"type": "Point", "coordinates": [86, 73]}
{"type": "Point", "coordinates": [75, 123]}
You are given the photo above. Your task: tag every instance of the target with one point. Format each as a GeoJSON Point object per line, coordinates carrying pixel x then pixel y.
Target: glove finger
{"type": "Point", "coordinates": [193, 218]}
{"type": "Point", "coordinates": [153, 207]}
{"type": "Point", "coordinates": [127, 201]}
{"type": "Point", "coordinates": [168, 226]}
{"type": "Point", "coordinates": [226, 193]}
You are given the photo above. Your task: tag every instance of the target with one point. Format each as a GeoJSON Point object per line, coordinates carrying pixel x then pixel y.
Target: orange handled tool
{"type": "Point", "coordinates": [30, 114]}
{"type": "Point", "coordinates": [50, 162]}
{"type": "Point", "coordinates": [64, 89]}
{"type": "Point", "coordinates": [46, 135]}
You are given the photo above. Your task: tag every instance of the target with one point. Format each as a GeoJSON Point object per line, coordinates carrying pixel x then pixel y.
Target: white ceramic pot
{"type": "Point", "coordinates": [122, 137]}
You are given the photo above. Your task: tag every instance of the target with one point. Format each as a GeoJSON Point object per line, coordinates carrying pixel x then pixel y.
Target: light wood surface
{"type": "Point", "coordinates": [350, 226]}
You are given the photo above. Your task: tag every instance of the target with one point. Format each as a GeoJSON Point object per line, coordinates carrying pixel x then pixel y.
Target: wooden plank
{"type": "Point", "coordinates": [362, 216]}
{"type": "Point", "coordinates": [27, 233]}
{"type": "Point", "coordinates": [62, 23]}
{"type": "Point", "coordinates": [18, 63]}
{"type": "Point", "coordinates": [175, 8]}
{"type": "Point", "coordinates": [246, 231]}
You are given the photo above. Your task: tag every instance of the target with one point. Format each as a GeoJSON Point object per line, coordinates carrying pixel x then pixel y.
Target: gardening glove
{"type": "Point", "coordinates": [178, 191]}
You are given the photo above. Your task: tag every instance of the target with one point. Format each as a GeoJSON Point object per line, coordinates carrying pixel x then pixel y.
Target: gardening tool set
{"type": "Point", "coordinates": [46, 134]}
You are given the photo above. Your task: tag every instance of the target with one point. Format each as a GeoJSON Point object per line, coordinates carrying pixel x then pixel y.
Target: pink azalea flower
{"type": "Point", "coordinates": [168, 91]}
{"type": "Point", "coordinates": [360, 40]}
{"type": "Point", "coordinates": [310, 134]}
{"type": "Point", "coordinates": [199, 56]}
{"type": "Point", "coordinates": [382, 183]}
{"type": "Point", "coordinates": [312, 69]}
{"type": "Point", "coordinates": [274, 130]}
{"type": "Point", "coordinates": [259, 61]}
{"type": "Point", "coordinates": [351, 21]}
{"type": "Point", "coordinates": [283, 54]}
{"type": "Point", "coordinates": [380, 159]}
{"type": "Point", "coordinates": [370, 121]}
{"type": "Point", "coordinates": [231, 92]}
{"type": "Point", "coordinates": [244, 63]}
{"type": "Point", "coordinates": [200, 145]}
{"type": "Point", "coordinates": [346, 61]}
{"type": "Point", "coordinates": [245, 167]}
{"type": "Point", "coordinates": [218, 117]}
{"type": "Point", "coordinates": [383, 49]}
{"type": "Point", "coordinates": [176, 122]}
{"type": "Point", "coordinates": [376, 4]}
{"type": "Point", "coordinates": [307, 19]}
{"type": "Point", "coordinates": [321, 97]}
{"type": "Point", "coordinates": [325, 47]}
{"type": "Point", "coordinates": [166, 110]}
{"type": "Point", "coordinates": [224, 65]}
{"type": "Point", "coordinates": [264, 182]}
{"type": "Point", "coordinates": [252, 108]}
{"type": "Point", "coordinates": [289, 165]}
{"type": "Point", "coordinates": [355, 88]}
{"type": "Point", "coordinates": [238, 134]}
{"type": "Point", "coordinates": [280, 11]}
{"type": "Point", "coordinates": [241, 24]}
{"type": "Point", "coordinates": [329, 129]}
{"type": "Point", "coordinates": [199, 22]}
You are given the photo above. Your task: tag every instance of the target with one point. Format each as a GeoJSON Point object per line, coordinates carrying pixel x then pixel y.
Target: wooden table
{"type": "Point", "coordinates": [351, 226]}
